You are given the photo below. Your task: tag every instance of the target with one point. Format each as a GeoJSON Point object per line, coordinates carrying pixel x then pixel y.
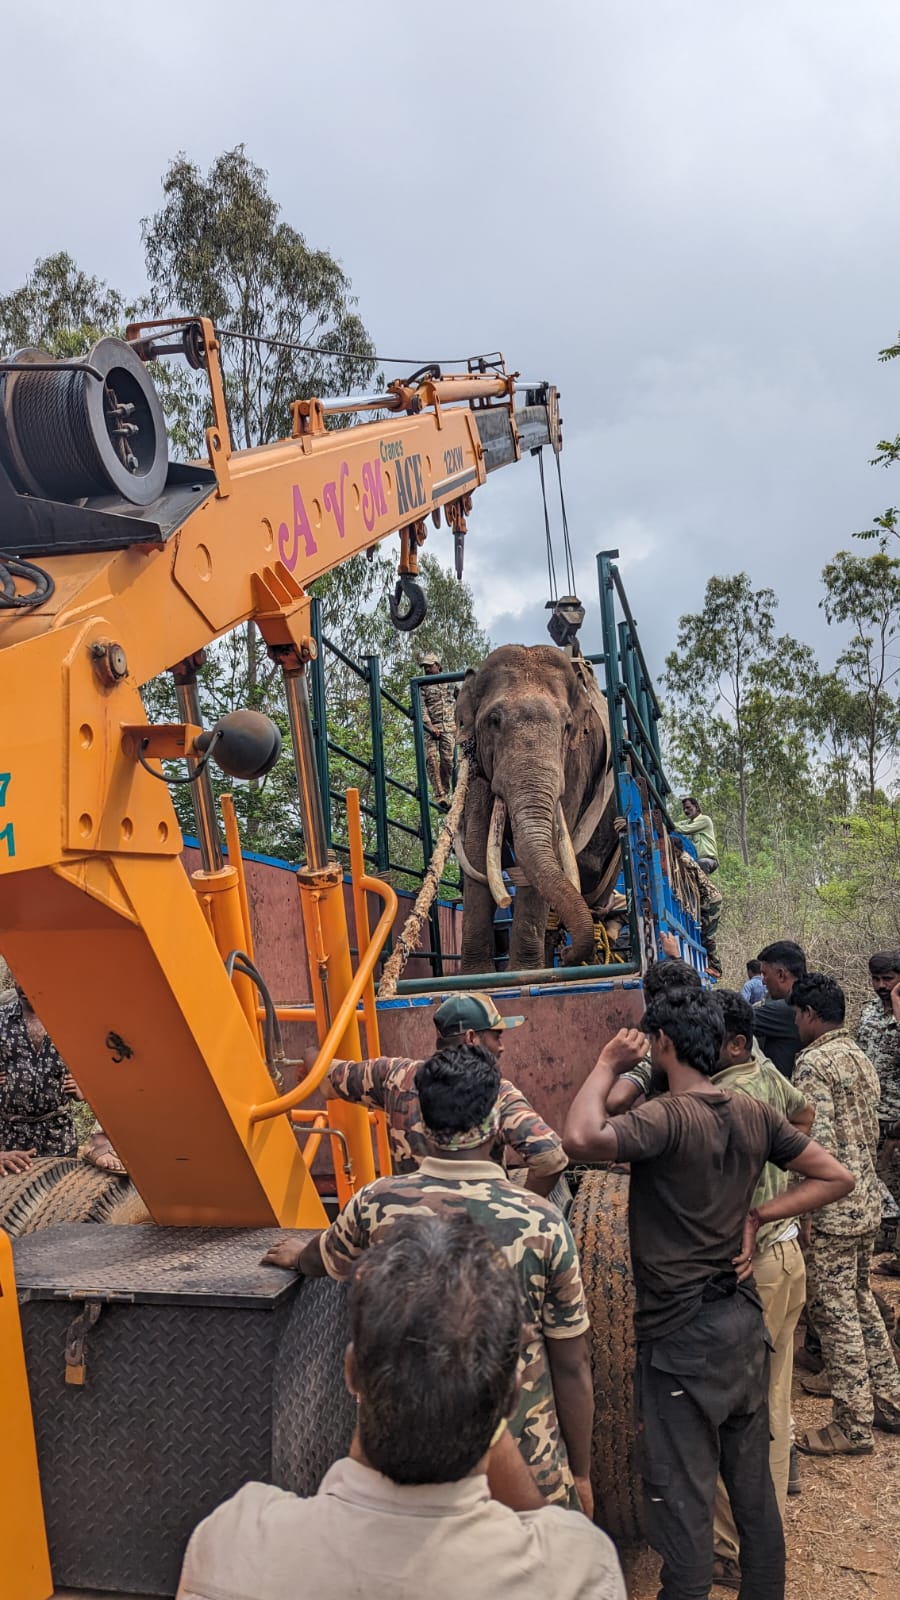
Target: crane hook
{"type": "Point", "coordinates": [414, 615]}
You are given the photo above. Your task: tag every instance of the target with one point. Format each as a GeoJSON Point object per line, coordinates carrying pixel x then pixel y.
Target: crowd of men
{"type": "Point", "coordinates": [476, 1487]}
{"type": "Point", "coordinates": [469, 1470]}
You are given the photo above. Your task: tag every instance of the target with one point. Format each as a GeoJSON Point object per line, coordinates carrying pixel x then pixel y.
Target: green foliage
{"type": "Point", "coordinates": [61, 309]}
{"type": "Point", "coordinates": [863, 592]}
{"type": "Point", "coordinates": [887, 455]}
{"type": "Point", "coordinates": [739, 697]}
{"type": "Point", "coordinates": [840, 898]}
{"type": "Point", "coordinates": [218, 246]}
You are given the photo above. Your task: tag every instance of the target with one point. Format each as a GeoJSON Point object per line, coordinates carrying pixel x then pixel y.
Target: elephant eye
{"type": "Point", "coordinates": [495, 718]}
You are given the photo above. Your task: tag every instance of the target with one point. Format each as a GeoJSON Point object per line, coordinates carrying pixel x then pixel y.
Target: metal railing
{"type": "Point", "coordinates": [386, 791]}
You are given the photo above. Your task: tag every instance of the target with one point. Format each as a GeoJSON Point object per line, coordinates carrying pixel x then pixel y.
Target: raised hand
{"type": "Point", "coordinates": [625, 1050]}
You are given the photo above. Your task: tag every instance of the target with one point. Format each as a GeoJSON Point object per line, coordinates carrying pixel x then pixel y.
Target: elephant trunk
{"type": "Point", "coordinates": [533, 823]}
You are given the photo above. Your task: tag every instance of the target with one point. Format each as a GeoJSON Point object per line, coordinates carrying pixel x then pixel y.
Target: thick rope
{"type": "Point", "coordinates": [408, 941]}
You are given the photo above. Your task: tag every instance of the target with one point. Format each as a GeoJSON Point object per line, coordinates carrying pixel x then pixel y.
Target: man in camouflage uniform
{"type": "Point", "coordinates": [458, 1092]}
{"type": "Point", "coordinates": [860, 1372]}
{"type": "Point", "coordinates": [439, 722]}
{"type": "Point", "coordinates": [388, 1084]}
{"type": "Point", "coordinates": [878, 1034]}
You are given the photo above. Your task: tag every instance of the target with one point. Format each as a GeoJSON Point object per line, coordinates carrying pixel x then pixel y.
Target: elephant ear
{"type": "Point", "coordinates": [465, 707]}
{"type": "Point", "coordinates": [583, 691]}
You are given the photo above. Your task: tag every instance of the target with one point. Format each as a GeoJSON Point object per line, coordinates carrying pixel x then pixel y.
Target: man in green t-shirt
{"type": "Point", "coordinates": [698, 827]}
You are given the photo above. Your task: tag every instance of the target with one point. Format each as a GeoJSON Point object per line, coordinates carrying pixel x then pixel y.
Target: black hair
{"type": "Point", "coordinates": [692, 1020]}
{"type": "Point", "coordinates": [737, 1015]}
{"type": "Point", "coordinates": [785, 953]}
{"type": "Point", "coordinates": [691, 800]}
{"type": "Point", "coordinates": [753, 968]}
{"type": "Point", "coordinates": [436, 1324]}
{"type": "Point", "coordinates": [457, 1087]}
{"type": "Point", "coordinates": [821, 995]}
{"type": "Point", "coordinates": [884, 961]}
{"type": "Point", "coordinates": [670, 974]}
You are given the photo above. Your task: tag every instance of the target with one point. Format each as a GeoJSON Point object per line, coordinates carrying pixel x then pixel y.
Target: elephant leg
{"type": "Point", "coordinates": [478, 928]}
{"type": "Point", "coordinates": [526, 948]}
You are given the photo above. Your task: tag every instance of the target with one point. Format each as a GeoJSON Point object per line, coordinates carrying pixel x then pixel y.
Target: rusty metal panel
{"type": "Point", "coordinates": [565, 1029]}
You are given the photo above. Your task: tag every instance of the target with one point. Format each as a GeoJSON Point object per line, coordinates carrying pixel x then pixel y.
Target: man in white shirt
{"type": "Point", "coordinates": [435, 1323]}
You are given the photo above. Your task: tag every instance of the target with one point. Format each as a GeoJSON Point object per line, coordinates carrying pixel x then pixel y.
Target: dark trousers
{"type": "Point", "coordinates": [703, 1407]}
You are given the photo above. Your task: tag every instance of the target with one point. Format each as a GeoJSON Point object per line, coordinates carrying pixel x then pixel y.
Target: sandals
{"type": "Point", "coordinates": [830, 1441]}
{"type": "Point", "coordinates": [99, 1153]}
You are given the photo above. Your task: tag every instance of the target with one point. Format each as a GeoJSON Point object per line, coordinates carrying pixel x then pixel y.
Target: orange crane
{"type": "Point", "coordinates": [117, 565]}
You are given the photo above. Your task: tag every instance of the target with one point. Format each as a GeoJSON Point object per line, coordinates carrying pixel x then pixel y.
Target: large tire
{"type": "Point", "coordinates": [599, 1222]}
{"type": "Point", "coordinates": [312, 1414]}
{"type": "Point", "coordinates": [85, 1195]}
{"type": "Point", "coordinates": [26, 1192]}
{"type": "Point", "coordinates": [130, 1209]}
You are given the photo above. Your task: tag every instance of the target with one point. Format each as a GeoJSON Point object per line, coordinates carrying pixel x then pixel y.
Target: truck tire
{"type": "Point", "coordinates": [599, 1222]}
{"type": "Point", "coordinates": [313, 1416]}
{"type": "Point", "coordinates": [26, 1192]}
{"type": "Point", "coordinates": [84, 1195]}
{"type": "Point", "coordinates": [130, 1209]}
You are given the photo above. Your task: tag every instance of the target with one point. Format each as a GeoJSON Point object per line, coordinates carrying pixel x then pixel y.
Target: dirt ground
{"type": "Point", "coordinates": [843, 1531]}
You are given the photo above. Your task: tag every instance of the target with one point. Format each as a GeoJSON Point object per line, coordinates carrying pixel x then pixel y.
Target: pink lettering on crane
{"type": "Point", "coordinates": [374, 502]}
{"type": "Point", "coordinates": [289, 538]}
{"type": "Point", "coordinates": [334, 499]}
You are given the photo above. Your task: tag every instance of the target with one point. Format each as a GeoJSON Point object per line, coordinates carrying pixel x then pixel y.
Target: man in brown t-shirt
{"type": "Point", "coordinates": [696, 1154]}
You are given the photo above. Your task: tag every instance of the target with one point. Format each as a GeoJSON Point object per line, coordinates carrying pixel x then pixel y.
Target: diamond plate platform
{"type": "Point", "coordinates": [150, 1265]}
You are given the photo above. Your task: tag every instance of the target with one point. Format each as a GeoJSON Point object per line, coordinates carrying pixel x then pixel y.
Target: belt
{"type": "Point", "coordinates": [45, 1116]}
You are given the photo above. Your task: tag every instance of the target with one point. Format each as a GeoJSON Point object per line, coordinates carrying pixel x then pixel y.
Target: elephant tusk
{"type": "Point", "coordinates": [466, 865]}
{"type": "Point", "coordinates": [516, 876]}
{"type": "Point", "coordinates": [492, 855]}
{"type": "Point", "coordinates": [567, 859]}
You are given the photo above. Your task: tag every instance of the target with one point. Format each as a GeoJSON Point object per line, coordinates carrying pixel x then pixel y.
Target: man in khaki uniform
{"type": "Point", "coordinates": [439, 721]}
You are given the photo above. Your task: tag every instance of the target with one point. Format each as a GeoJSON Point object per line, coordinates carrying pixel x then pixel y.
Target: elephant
{"type": "Point", "coordinates": [535, 726]}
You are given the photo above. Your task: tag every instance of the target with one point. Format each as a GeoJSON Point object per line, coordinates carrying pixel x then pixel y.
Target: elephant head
{"type": "Point", "coordinates": [527, 717]}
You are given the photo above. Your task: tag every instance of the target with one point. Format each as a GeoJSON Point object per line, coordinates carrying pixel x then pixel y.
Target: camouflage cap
{"type": "Point", "coordinates": [460, 1012]}
{"type": "Point", "coordinates": [429, 659]}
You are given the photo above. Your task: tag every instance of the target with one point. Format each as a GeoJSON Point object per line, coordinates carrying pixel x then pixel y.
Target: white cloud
{"type": "Point", "coordinates": [682, 214]}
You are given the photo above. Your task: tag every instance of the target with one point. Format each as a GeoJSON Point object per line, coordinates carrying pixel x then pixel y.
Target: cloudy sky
{"type": "Point", "coordinates": [683, 213]}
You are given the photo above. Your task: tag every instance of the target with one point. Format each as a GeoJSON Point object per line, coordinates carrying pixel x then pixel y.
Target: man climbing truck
{"type": "Point", "coordinates": [439, 721]}
{"type": "Point", "coordinates": [117, 566]}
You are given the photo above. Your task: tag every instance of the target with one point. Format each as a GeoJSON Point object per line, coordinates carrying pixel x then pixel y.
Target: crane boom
{"type": "Point", "coordinates": [121, 957]}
